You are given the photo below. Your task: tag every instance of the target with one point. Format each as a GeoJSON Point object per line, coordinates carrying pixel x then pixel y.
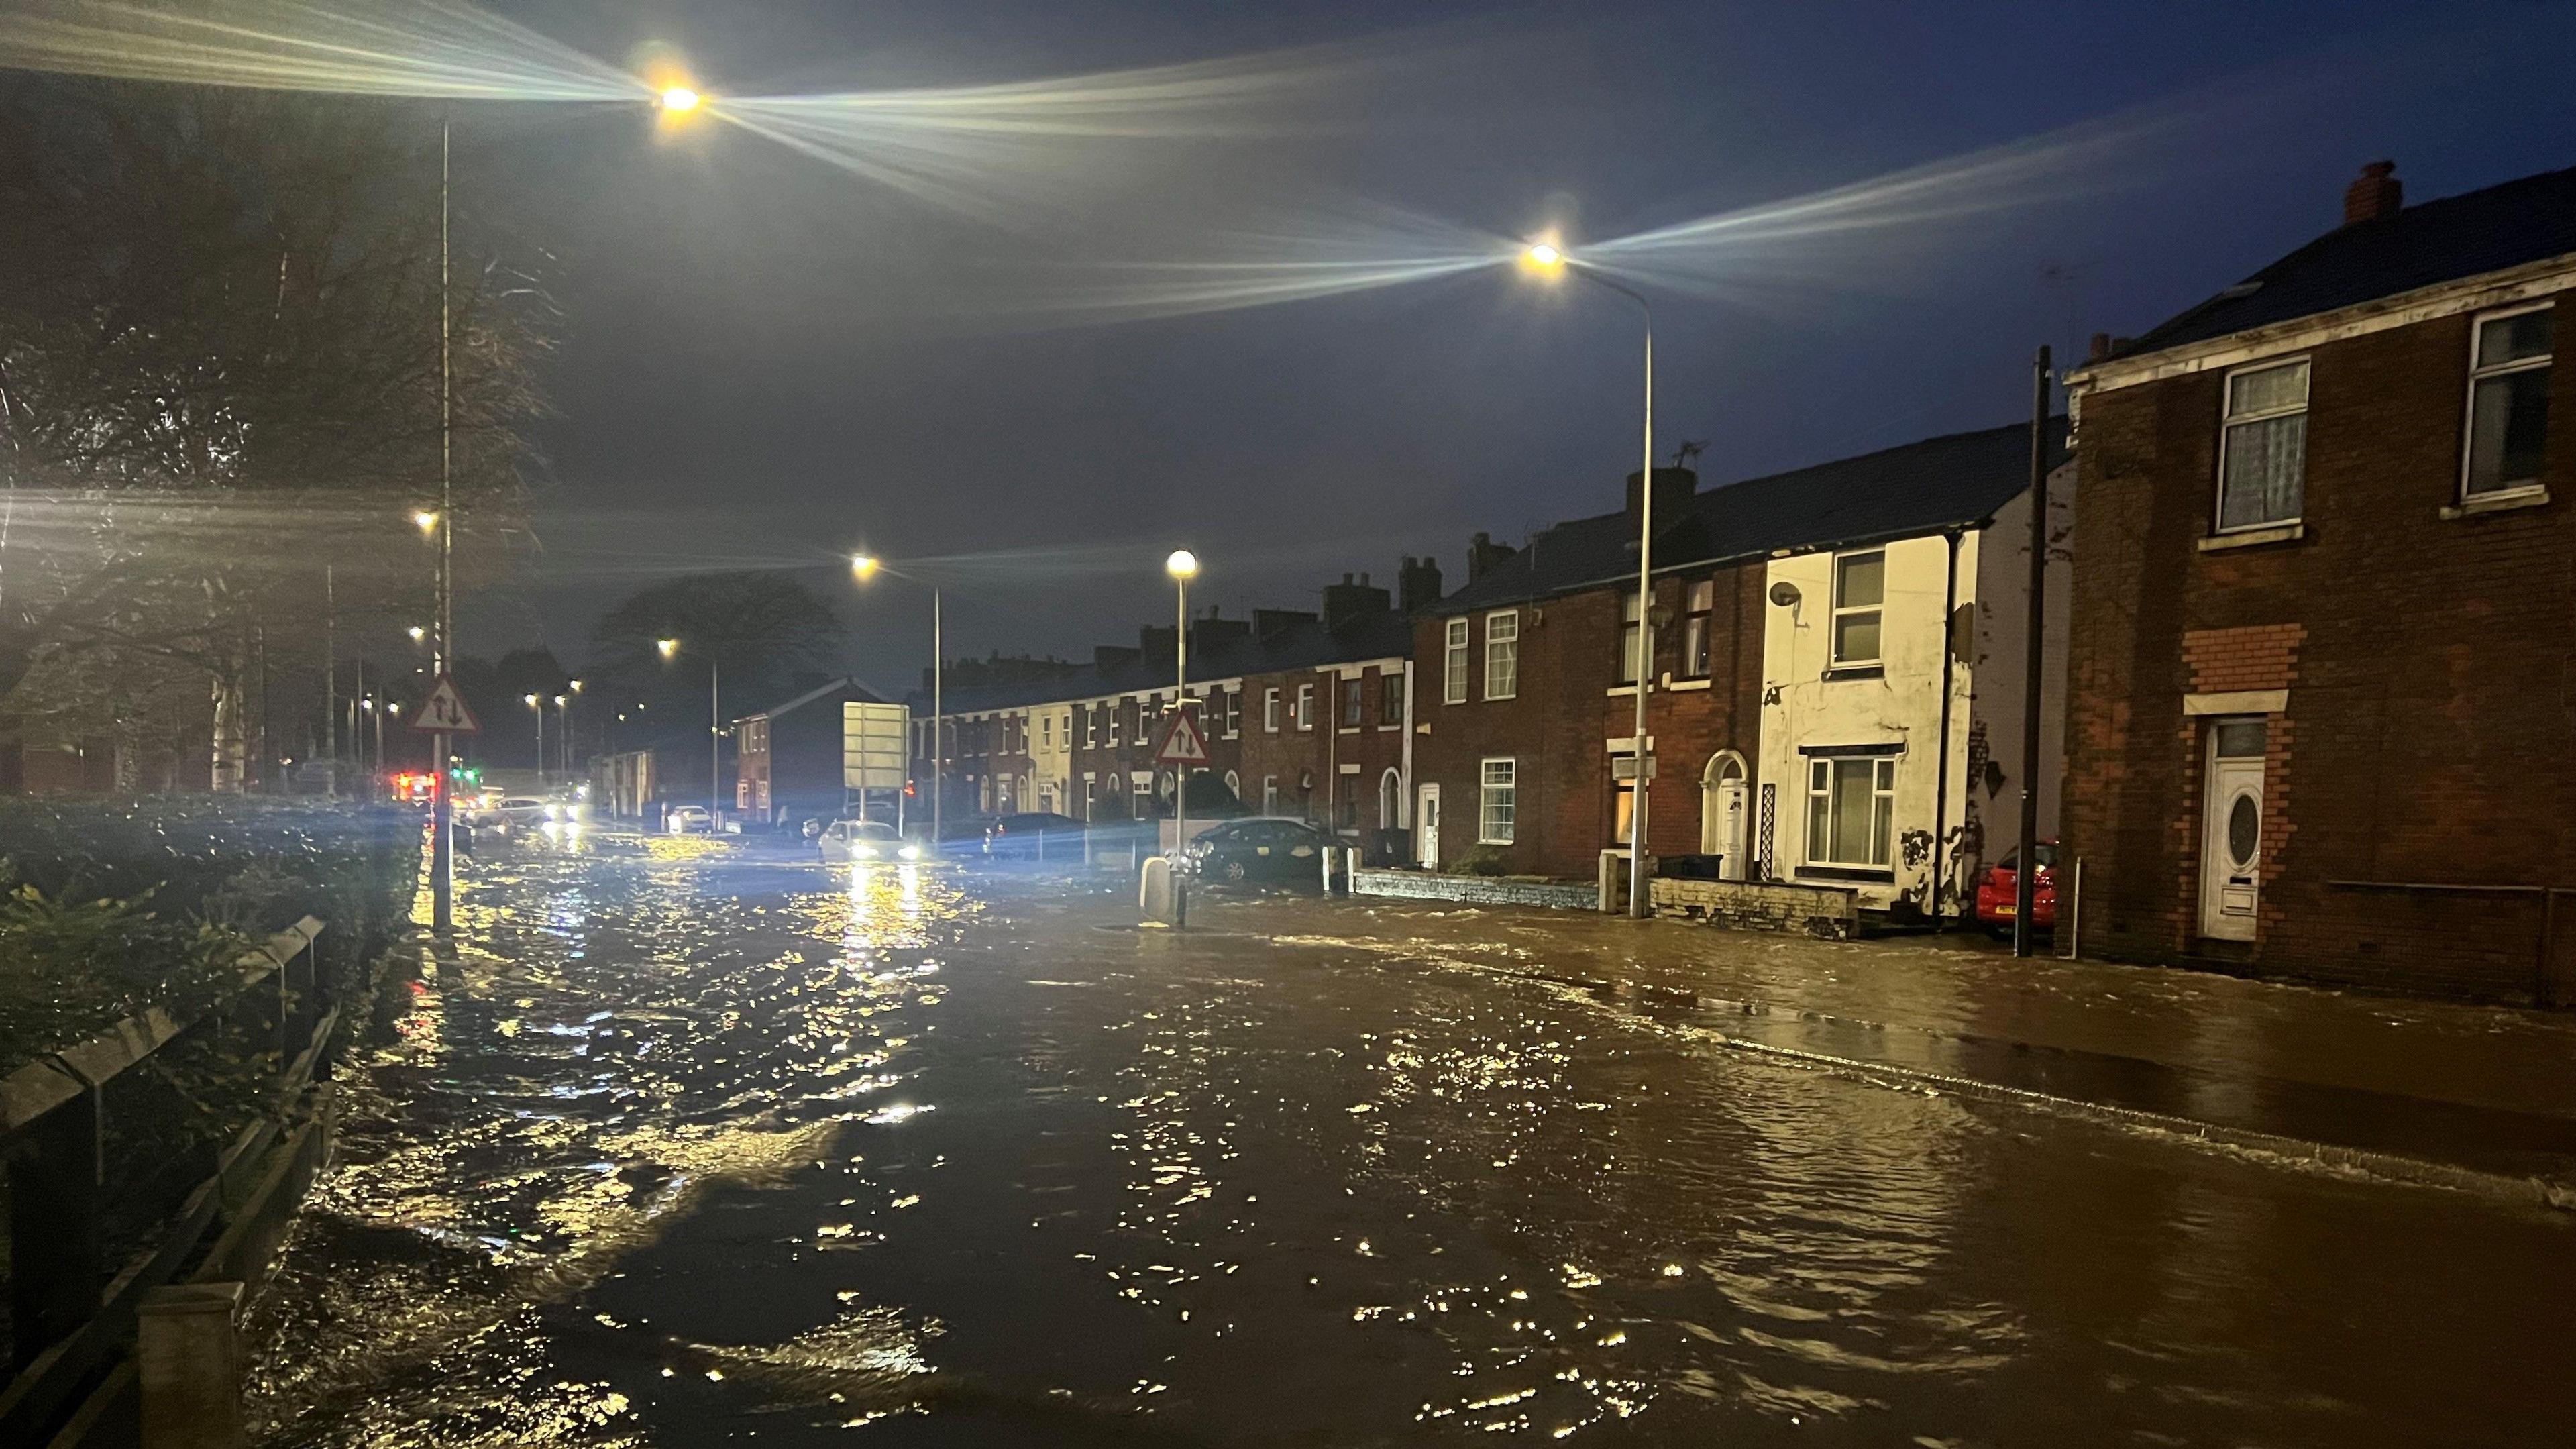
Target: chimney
{"type": "Point", "coordinates": [2101, 347]}
{"type": "Point", "coordinates": [1113, 656]}
{"type": "Point", "coordinates": [1673, 488]}
{"type": "Point", "coordinates": [1484, 556]}
{"type": "Point", "coordinates": [1271, 623]}
{"type": "Point", "coordinates": [1211, 634]}
{"type": "Point", "coordinates": [2376, 193]}
{"type": "Point", "coordinates": [1417, 585]}
{"type": "Point", "coordinates": [1347, 602]}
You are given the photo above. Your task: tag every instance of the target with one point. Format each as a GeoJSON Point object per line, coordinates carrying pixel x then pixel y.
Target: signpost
{"type": "Point", "coordinates": [1184, 745]}
{"type": "Point", "coordinates": [443, 716]}
{"type": "Point", "coordinates": [876, 741]}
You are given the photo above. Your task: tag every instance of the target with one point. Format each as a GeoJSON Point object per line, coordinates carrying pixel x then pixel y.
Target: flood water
{"type": "Point", "coordinates": [691, 1147]}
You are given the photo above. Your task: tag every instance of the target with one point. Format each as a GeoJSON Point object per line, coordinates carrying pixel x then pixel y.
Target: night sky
{"type": "Point", "coordinates": [766, 360]}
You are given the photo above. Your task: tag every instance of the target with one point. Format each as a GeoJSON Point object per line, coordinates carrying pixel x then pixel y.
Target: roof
{"type": "Point", "coordinates": [844, 685]}
{"type": "Point", "coordinates": [1954, 481]}
{"type": "Point", "coordinates": [2467, 235]}
{"type": "Point", "coordinates": [1303, 644]}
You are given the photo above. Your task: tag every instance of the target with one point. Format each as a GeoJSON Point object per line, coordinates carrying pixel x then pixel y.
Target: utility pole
{"type": "Point", "coordinates": [442, 832]}
{"type": "Point", "coordinates": [2026, 879]}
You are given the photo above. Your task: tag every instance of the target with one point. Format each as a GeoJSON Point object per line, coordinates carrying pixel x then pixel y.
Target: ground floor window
{"type": "Point", "coordinates": [1270, 794]}
{"type": "Point", "coordinates": [1851, 809]}
{"type": "Point", "coordinates": [1498, 802]}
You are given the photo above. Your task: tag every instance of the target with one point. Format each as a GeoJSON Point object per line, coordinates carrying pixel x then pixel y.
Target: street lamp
{"type": "Point", "coordinates": [864, 567]}
{"type": "Point", "coordinates": [417, 633]}
{"type": "Point", "coordinates": [679, 100]}
{"type": "Point", "coordinates": [1183, 566]}
{"type": "Point", "coordinates": [1545, 258]}
{"type": "Point", "coordinates": [537, 707]}
{"type": "Point", "coordinates": [715, 729]}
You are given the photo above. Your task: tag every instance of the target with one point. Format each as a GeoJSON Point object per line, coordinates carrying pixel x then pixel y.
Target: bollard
{"type": "Point", "coordinates": [188, 1363]}
{"type": "Point", "coordinates": [1158, 894]}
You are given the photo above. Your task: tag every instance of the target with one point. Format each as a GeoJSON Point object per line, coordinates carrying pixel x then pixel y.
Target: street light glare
{"type": "Point", "coordinates": [1544, 256]}
{"type": "Point", "coordinates": [863, 565]}
{"type": "Point", "coordinates": [417, 633]}
{"type": "Point", "coordinates": [1182, 564]}
{"type": "Point", "coordinates": [425, 520]}
{"type": "Point", "coordinates": [668, 647]}
{"type": "Point", "coordinates": [531, 700]}
{"type": "Point", "coordinates": [680, 100]}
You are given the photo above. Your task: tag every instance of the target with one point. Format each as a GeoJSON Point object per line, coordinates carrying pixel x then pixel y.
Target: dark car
{"type": "Point", "coordinates": [1997, 897]}
{"type": "Point", "coordinates": [1034, 835]}
{"type": "Point", "coordinates": [1260, 850]}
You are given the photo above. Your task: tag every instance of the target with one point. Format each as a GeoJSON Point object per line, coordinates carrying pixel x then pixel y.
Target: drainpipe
{"type": "Point", "coordinates": [1941, 780]}
{"type": "Point", "coordinates": [1404, 803]}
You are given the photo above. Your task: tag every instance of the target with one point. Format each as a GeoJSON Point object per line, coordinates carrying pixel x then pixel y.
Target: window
{"type": "Point", "coordinates": [1860, 587]}
{"type": "Point", "coordinates": [1453, 665]}
{"type": "Point", "coordinates": [1305, 706]}
{"type": "Point", "coordinates": [1629, 636]}
{"type": "Point", "coordinates": [1046, 731]}
{"type": "Point", "coordinates": [2263, 447]}
{"type": "Point", "coordinates": [1623, 798]}
{"type": "Point", "coordinates": [1350, 704]}
{"type": "Point", "coordinates": [1233, 713]}
{"type": "Point", "coordinates": [2508, 402]}
{"type": "Point", "coordinates": [1699, 600]}
{"type": "Point", "coordinates": [1503, 654]}
{"type": "Point", "coordinates": [1497, 801]}
{"type": "Point", "coordinates": [1090, 727]}
{"type": "Point", "coordinates": [1851, 810]}
{"type": "Point", "coordinates": [1270, 710]}
{"type": "Point", "coordinates": [1390, 697]}
{"type": "Point", "coordinates": [1270, 794]}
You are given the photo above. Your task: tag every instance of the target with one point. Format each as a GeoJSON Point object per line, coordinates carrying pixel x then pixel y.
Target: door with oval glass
{"type": "Point", "coordinates": [2231, 833]}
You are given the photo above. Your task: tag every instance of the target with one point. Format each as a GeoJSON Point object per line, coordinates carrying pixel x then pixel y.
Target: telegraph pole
{"type": "Point", "coordinates": [2026, 879]}
{"type": "Point", "coordinates": [442, 832]}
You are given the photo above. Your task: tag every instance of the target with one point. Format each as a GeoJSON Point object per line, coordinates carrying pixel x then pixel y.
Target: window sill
{"type": "Point", "coordinates": [1397, 725]}
{"type": "Point", "coordinates": [1847, 873]}
{"type": "Point", "coordinates": [1679, 686]}
{"type": "Point", "coordinates": [2496, 503]}
{"type": "Point", "coordinates": [1855, 671]}
{"type": "Point", "coordinates": [1617, 690]}
{"type": "Point", "coordinates": [2253, 537]}
{"type": "Point", "coordinates": [1499, 698]}
{"type": "Point", "coordinates": [1348, 730]}
{"type": "Point", "coordinates": [1483, 841]}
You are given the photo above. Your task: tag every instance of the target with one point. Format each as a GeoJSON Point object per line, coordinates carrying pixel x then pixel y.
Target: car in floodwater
{"type": "Point", "coordinates": [513, 812]}
{"type": "Point", "coordinates": [1998, 891]}
{"type": "Point", "coordinates": [864, 840]}
{"type": "Point", "coordinates": [688, 820]}
{"type": "Point", "coordinates": [1260, 850]}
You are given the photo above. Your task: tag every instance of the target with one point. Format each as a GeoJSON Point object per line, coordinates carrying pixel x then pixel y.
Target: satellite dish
{"type": "Point", "coordinates": [1785, 594]}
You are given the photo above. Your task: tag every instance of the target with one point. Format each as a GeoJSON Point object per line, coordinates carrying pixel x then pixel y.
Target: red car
{"type": "Point", "coordinates": [1995, 892]}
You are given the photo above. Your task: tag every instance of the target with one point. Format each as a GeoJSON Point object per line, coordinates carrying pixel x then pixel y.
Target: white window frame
{"type": "Point", "coordinates": [1270, 710]}
{"type": "Point", "coordinates": [1306, 705]}
{"type": "Point", "coordinates": [2469, 403]}
{"type": "Point", "coordinates": [1234, 712]}
{"type": "Point", "coordinates": [1822, 773]}
{"type": "Point", "coordinates": [1270, 794]}
{"type": "Point", "coordinates": [1503, 655]}
{"type": "Point", "coordinates": [1503, 788]}
{"type": "Point", "coordinates": [2227, 426]}
{"type": "Point", "coordinates": [1834, 625]}
{"type": "Point", "coordinates": [1453, 664]}
{"type": "Point", "coordinates": [1702, 621]}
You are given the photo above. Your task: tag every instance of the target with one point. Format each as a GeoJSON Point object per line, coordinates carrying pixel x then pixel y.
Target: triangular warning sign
{"type": "Point", "coordinates": [1184, 745]}
{"type": "Point", "coordinates": [444, 712]}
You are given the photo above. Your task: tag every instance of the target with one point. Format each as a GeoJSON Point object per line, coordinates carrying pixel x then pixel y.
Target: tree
{"type": "Point", "coordinates": [219, 368]}
{"type": "Point", "coordinates": [759, 629]}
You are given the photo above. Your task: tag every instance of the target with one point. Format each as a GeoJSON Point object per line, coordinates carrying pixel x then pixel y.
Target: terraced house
{"type": "Point", "coordinates": [1833, 660]}
{"type": "Point", "coordinates": [2321, 649]}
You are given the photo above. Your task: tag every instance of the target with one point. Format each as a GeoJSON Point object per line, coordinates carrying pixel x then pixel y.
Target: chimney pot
{"type": "Point", "coordinates": [2101, 347]}
{"type": "Point", "coordinates": [2374, 194]}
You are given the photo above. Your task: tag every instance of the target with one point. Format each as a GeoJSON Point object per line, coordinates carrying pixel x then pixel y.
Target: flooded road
{"type": "Point", "coordinates": [688, 1147]}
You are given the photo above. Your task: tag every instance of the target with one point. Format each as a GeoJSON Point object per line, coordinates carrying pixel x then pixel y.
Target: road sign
{"type": "Point", "coordinates": [444, 712]}
{"type": "Point", "coordinates": [876, 745]}
{"type": "Point", "coordinates": [1185, 744]}
{"type": "Point", "coordinates": [1624, 767]}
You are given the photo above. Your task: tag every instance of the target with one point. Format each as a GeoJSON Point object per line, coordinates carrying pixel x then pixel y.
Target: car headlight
{"type": "Point", "coordinates": [910, 852]}
{"type": "Point", "coordinates": [550, 812]}
{"type": "Point", "coordinates": [864, 851]}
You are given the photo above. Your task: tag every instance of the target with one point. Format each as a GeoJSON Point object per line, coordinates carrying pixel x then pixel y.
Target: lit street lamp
{"type": "Point", "coordinates": [1183, 566]}
{"type": "Point", "coordinates": [864, 567]}
{"type": "Point", "coordinates": [537, 707]}
{"type": "Point", "coordinates": [1545, 258]}
{"type": "Point", "coordinates": [715, 729]}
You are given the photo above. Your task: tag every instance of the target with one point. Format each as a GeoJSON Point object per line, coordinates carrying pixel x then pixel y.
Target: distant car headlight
{"type": "Point", "coordinates": [864, 851]}
{"type": "Point", "coordinates": [550, 813]}
{"type": "Point", "coordinates": [910, 852]}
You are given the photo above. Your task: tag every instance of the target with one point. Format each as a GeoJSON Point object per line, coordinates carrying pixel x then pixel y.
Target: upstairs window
{"type": "Point", "coordinates": [1631, 638]}
{"type": "Point", "coordinates": [1860, 590]}
{"type": "Point", "coordinates": [2508, 402]}
{"type": "Point", "coordinates": [1503, 654]}
{"type": "Point", "coordinates": [1390, 698]}
{"type": "Point", "coordinates": [1453, 666]}
{"type": "Point", "coordinates": [1699, 601]}
{"type": "Point", "coordinates": [1270, 710]}
{"type": "Point", "coordinates": [2263, 446]}
{"type": "Point", "coordinates": [1350, 704]}
{"type": "Point", "coordinates": [1305, 706]}
{"type": "Point", "coordinates": [1233, 713]}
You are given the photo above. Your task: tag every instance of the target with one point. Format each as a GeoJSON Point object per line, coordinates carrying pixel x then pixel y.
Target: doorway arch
{"type": "Point", "coordinates": [1390, 801]}
{"type": "Point", "coordinates": [1725, 809]}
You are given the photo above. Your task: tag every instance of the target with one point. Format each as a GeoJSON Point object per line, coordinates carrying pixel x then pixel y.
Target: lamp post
{"type": "Point", "coordinates": [715, 728]}
{"type": "Point", "coordinates": [564, 703]}
{"type": "Point", "coordinates": [865, 567]}
{"type": "Point", "coordinates": [1547, 259]}
{"type": "Point", "coordinates": [1183, 566]}
{"type": "Point", "coordinates": [537, 707]}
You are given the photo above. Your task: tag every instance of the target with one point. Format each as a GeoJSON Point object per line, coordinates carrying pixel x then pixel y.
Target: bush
{"type": "Point", "coordinates": [1482, 860]}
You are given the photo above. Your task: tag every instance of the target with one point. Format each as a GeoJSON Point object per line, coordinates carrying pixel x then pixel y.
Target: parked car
{"type": "Point", "coordinates": [1997, 888]}
{"type": "Point", "coordinates": [688, 820]}
{"type": "Point", "coordinates": [1259, 849]}
{"type": "Point", "coordinates": [848, 840]}
{"type": "Point", "coordinates": [1034, 835]}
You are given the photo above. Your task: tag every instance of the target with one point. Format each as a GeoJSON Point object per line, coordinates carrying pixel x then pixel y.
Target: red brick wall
{"type": "Point", "coordinates": [2428, 732]}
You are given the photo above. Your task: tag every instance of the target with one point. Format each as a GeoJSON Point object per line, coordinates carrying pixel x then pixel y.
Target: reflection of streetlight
{"type": "Point", "coordinates": [864, 567]}
{"type": "Point", "coordinates": [1183, 566]}
{"type": "Point", "coordinates": [1545, 258]}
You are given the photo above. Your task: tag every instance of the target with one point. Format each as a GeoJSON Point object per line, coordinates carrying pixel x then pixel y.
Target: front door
{"type": "Point", "coordinates": [1426, 817]}
{"type": "Point", "coordinates": [2231, 833]}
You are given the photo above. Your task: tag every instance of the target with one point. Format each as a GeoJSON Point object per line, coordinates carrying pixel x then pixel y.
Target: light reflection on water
{"type": "Point", "coordinates": [688, 1143]}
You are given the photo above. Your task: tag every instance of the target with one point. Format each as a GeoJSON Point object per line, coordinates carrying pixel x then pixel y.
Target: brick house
{"type": "Point", "coordinates": [2321, 642]}
{"type": "Point", "coordinates": [787, 758]}
{"type": "Point", "coordinates": [1763, 709]}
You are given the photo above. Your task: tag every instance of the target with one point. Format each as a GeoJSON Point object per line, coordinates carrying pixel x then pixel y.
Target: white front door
{"type": "Point", "coordinates": [2231, 833]}
{"type": "Point", "coordinates": [1734, 815]}
{"type": "Point", "coordinates": [1427, 817]}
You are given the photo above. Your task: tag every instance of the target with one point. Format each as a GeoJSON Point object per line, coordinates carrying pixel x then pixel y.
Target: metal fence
{"type": "Point", "coordinates": [126, 1153]}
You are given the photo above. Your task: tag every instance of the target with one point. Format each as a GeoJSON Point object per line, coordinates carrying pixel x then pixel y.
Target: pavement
{"type": "Point", "coordinates": [2469, 1097]}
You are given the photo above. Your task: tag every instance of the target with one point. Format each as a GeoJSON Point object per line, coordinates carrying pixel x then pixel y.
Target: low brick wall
{"type": "Point", "coordinates": [1749, 906]}
{"type": "Point", "coordinates": [1476, 889]}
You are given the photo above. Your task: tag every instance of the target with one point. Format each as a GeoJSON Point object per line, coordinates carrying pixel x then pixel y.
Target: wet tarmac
{"type": "Point", "coordinates": [690, 1147]}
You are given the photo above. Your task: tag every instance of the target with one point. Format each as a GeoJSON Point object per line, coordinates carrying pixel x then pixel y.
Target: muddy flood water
{"type": "Point", "coordinates": [689, 1146]}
